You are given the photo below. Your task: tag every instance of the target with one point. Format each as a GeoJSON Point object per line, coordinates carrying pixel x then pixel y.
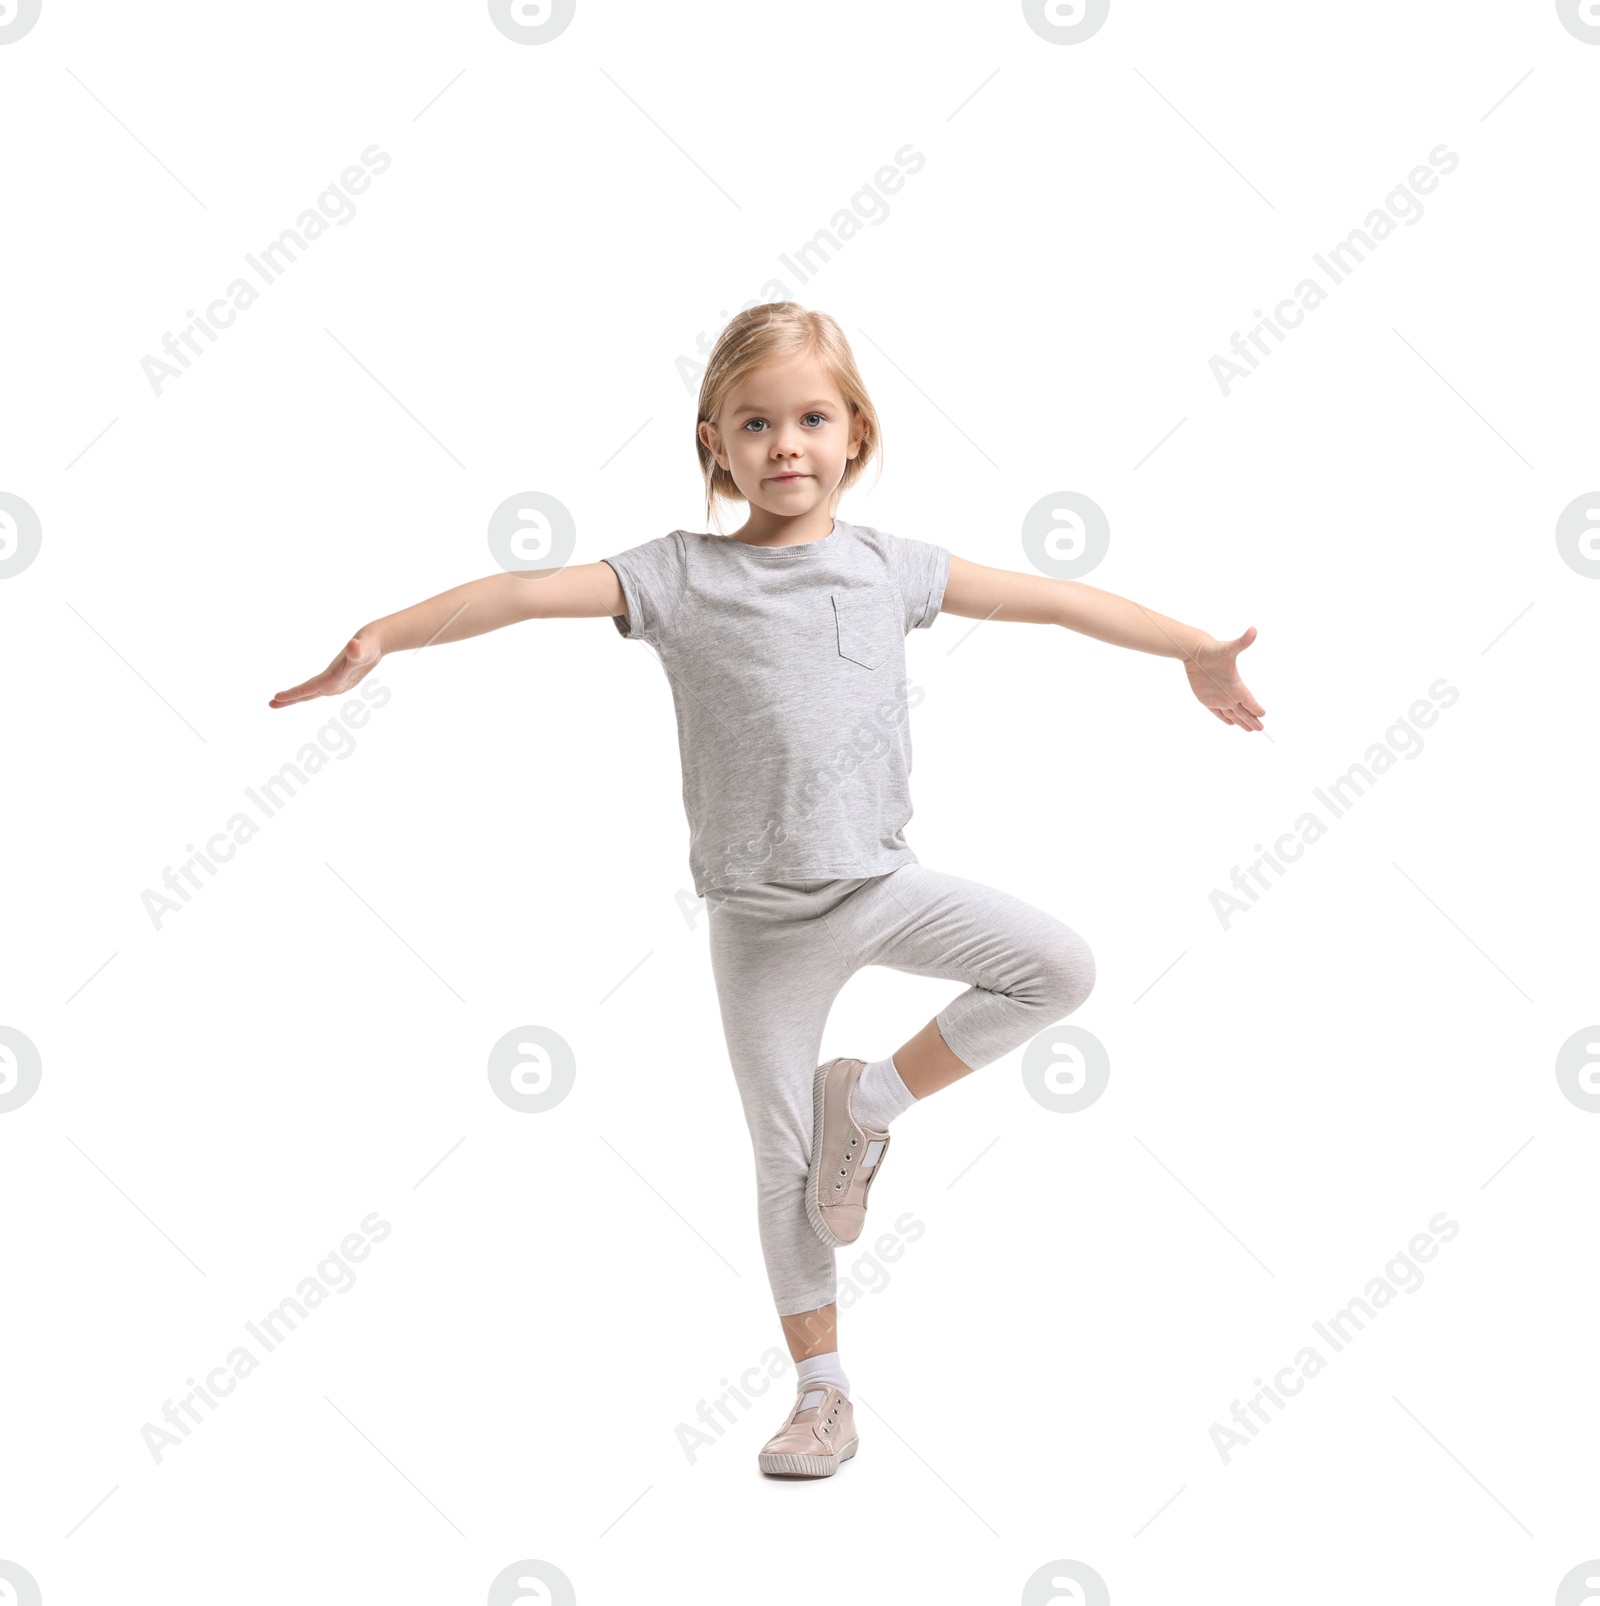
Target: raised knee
{"type": "Point", "coordinates": [1067, 973]}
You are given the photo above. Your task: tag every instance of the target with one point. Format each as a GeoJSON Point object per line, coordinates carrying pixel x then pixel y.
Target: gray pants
{"type": "Point", "coordinates": [781, 951]}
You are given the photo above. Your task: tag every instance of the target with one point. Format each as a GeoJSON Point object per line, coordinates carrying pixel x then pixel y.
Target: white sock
{"type": "Point", "coordinates": [816, 1370]}
{"type": "Point", "coordinates": [879, 1095]}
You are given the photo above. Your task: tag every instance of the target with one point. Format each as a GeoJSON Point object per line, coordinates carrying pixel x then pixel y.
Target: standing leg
{"type": "Point", "coordinates": [777, 972]}
{"type": "Point", "coordinates": [812, 1332]}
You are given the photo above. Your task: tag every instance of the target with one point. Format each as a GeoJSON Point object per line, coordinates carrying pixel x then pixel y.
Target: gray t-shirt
{"type": "Point", "coordinates": [788, 672]}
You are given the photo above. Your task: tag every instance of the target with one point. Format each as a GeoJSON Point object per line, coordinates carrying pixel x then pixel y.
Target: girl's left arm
{"type": "Point", "coordinates": [976, 592]}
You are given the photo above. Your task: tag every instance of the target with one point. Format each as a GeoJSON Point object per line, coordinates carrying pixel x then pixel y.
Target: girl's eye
{"type": "Point", "coordinates": [821, 418]}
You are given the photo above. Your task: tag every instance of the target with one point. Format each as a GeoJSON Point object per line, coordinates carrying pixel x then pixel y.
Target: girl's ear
{"type": "Point", "coordinates": [708, 434]}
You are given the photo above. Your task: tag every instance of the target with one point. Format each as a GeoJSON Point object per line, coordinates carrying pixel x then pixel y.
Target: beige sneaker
{"type": "Point", "coordinates": [817, 1438]}
{"type": "Point", "coordinates": [845, 1156]}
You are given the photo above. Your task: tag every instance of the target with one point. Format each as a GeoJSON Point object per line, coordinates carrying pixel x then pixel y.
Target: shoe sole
{"type": "Point", "coordinates": [814, 1175]}
{"type": "Point", "coordinates": [807, 1466]}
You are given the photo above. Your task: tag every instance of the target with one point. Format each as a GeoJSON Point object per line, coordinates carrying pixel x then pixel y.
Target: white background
{"type": "Point", "coordinates": [225, 1098]}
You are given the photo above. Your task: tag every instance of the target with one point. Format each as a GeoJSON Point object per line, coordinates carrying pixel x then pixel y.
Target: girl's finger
{"type": "Point", "coordinates": [298, 694]}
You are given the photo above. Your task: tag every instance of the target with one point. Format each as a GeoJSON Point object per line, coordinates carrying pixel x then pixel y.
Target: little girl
{"type": "Point", "coordinates": [784, 644]}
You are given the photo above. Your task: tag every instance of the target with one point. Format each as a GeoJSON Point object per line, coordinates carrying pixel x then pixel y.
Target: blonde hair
{"type": "Point", "coordinates": [773, 332]}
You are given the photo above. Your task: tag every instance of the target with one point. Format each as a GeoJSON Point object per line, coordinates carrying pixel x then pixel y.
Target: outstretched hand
{"type": "Point", "coordinates": [355, 662]}
{"type": "Point", "coordinates": [1213, 674]}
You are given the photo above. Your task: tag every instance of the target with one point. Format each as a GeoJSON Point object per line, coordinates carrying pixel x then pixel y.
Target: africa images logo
{"type": "Point", "coordinates": [1402, 204]}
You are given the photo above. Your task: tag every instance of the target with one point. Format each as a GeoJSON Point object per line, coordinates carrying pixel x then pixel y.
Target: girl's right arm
{"type": "Point", "coordinates": [585, 591]}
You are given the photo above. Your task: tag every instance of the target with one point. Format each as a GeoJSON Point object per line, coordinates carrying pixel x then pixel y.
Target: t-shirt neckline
{"type": "Point", "coordinates": [788, 552]}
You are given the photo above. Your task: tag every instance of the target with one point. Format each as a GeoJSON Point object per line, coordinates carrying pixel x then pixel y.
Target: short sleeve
{"type": "Point", "coordinates": [920, 570]}
{"type": "Point", "coordinates": [653, 577]}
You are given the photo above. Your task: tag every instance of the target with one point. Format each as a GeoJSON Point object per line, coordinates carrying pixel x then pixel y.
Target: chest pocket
{"type": "Point", "coordinates": [868, 623]}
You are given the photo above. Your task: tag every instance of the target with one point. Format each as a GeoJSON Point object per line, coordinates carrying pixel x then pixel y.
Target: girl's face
{"type": "Point", "coordinates": [785, 435]}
